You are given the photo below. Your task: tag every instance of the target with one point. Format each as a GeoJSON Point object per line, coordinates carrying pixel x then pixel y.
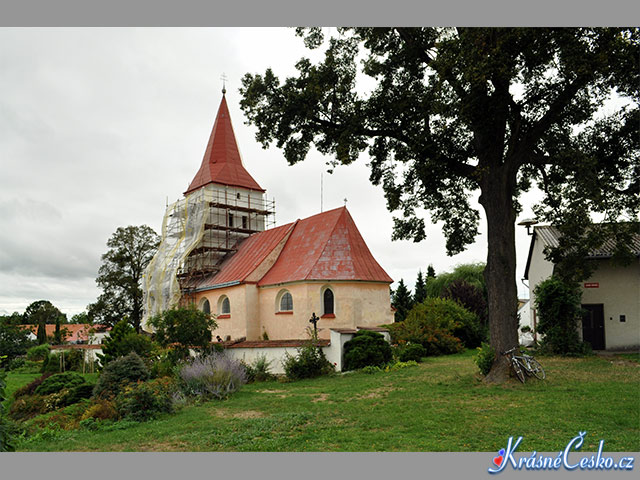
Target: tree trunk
{"type": "Point", "coordinates": [497, 200]}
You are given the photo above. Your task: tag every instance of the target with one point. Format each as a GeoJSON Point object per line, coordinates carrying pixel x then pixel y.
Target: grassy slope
{"type": "Point", "coordinates": [438, 406]}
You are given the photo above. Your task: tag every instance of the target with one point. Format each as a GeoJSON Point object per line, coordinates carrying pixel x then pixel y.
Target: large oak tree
{"type": "Point", "coordinates": [460, 110]}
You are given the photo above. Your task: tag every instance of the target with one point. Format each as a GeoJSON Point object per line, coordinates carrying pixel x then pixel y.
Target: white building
{"type": "Point", "coordinates": [610, 297]}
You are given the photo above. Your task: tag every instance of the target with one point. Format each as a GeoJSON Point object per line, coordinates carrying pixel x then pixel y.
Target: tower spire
{"type": "Point", "coordinates": [224, 83]}
{"type": "Point", "coordinates": [222, 163]}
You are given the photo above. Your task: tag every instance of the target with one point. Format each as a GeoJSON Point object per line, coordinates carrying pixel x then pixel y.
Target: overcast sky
{"type": "Point", "coordinates": [99, 127]}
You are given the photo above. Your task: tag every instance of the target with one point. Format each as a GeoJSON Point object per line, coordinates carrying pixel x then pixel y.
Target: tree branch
{"type": "Point", "coordinates": [407, 38]}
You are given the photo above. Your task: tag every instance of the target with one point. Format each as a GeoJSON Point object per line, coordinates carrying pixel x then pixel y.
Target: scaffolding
{"type": "Point", "coordinates": [198, 233]}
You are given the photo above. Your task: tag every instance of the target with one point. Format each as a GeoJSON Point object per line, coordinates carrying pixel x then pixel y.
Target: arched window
{"type": "Point", "coordinates": [225, 305]}
{"type": "Point", "coordinates": [286, 302]}
{"type": "Point", "coordinates": [206, 307]}
{"type": "Point", "coordinates": [327, 302]}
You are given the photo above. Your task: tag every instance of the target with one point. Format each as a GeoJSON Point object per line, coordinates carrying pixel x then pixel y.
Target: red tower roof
{"type": "Point", "coordinates": [222, 163]}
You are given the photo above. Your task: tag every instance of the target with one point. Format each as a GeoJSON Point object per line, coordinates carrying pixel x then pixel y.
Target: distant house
{"type": "Point", "coordinates": [76, 333]}
{"type": "Point", "coordinates": [610, 297]}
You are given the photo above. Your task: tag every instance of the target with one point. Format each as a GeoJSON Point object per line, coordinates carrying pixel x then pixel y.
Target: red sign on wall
{"type": "Point", "coordinates": [592, 285]}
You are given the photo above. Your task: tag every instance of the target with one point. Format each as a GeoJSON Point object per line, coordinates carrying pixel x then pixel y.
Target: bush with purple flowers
{"type": "Point", "coordinates": [212, 376]}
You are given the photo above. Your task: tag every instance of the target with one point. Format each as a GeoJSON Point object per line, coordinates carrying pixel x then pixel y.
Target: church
{"type": "Point", "coordinates": [221, 251]}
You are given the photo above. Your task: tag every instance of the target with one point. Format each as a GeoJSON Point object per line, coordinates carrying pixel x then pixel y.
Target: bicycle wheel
{"type": "Point", "coordinates": [537, 369]}
{"type": "Point", "coordinates": [518, 369]}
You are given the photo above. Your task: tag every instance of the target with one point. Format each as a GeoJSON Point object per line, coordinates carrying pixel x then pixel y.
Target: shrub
{"type": "Point", "coordinates": [28, 367]}
{"type": "Point", "coordinates": [77, 393]}
{"type": "Point", "coordinates": [117, 373]}
{"type": "Point", "coordinates": [432, 324]}
{"type": "Point", "coordinates": [39, 352]}
{"type": "Point", "coordinates": [16, 363]}
{"type": "Point", "coordinates": [215, 375]}
{"type": "Point", "coordinates": [141, 402]}
{"type": "Point", "coordinates": [258, 371]}
{"type": "Point", "coordinates": [57, 382]}
{"type": "Point", "coordinates": [401, 365]}
{"type": "Point", "coordinates": [66, 418]}
{"type": "Point", "coordinates": [51, 364]}
{"type": "Point", "coordinates": [27, 406]}
{"type": "Point", "coordinates": [163, 365]}
{"type": "Point", "coordinates": [123, 340]}
{"type": "Point", "coordinates": [67, 360]}
{"type": "Point", "coordinates": [29, 388]}
{"type": "Point", "coordinates": [484, 358]}
{"type": "Point", "coordinates": [309, 362]}
{"type": "Point", "coordinates": [411, 351]}
{"type": "Point", "coordinates": [366, 348]}
{"type": "Point", "coordinates": [370, 369]}
{"type": "Point", "coordinates": [558, 306]}
{"type": "Point", "coordinates": [101, 409]}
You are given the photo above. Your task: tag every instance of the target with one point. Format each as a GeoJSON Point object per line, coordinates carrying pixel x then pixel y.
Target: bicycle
{"type": "Point", "coordinates": [525, 364]}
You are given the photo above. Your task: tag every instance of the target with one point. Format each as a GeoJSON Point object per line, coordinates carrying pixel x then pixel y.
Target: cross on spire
{"type": "Point", "coordinates": [224, 83]}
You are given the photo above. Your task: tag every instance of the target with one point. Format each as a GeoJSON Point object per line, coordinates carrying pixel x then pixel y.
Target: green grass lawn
{"type": "Point", "coordinates": [438, 406]}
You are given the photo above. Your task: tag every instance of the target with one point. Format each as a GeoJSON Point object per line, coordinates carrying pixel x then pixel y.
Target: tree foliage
{"type": "Point", "coordinates": [185, 326]}
{"type": "Point", "coordinates": [461, 110]}
{"type": "Point", "coordinates": [14, 341]}
{"type": "Point", "coordinates": [401, 301]}
{"type": "Point", "coordinates": [559, 312]}
{"type": "Point", "coordinates": [130, 251]}
{"type": "Point", "coordinates": [469, 296]}
{"type": "Point", "coordinates": [43, 311]}
{"type": "Point", "coordinates": [470, 273]}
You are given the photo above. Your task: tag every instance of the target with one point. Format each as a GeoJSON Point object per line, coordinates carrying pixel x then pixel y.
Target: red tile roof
{"type": "Point", "coordinates": [77, 331]}
{"type": "Point", "coordinates": [327, 247]}
{"type": "Point", "coordinates": [222, 163]}
{"type": "Point", "coordinates": [252, 252]}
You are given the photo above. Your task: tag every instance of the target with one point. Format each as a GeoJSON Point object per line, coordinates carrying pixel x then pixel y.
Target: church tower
{"type": "Point", "coordinates": [222, 206]}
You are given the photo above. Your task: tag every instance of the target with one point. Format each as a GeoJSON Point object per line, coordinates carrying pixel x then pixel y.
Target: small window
{"type": "Point", "coordinates": [286, 302]}
{"type": "Point", "coordinates": [328, 301]}
{"type": "Point", "coordinates": [225, 306]}
{"type": "Point", "coordinates": [238, 196]}
{"type": "Point", "coordinates": [244, 222]}
{"type": "Point", "coordinates": [206, 307]}
{"type": "Point", "coordinates": [231, 219]}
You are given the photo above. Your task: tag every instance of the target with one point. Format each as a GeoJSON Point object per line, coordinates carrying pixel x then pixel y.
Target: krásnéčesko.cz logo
{"type": "Point", "coordinates": [563, 459]}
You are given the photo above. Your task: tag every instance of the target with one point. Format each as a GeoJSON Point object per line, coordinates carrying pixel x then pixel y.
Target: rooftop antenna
{"type": "Point", "coordinates": [224, 83]}
{"type": "Point", "coordinates": [528, 222]}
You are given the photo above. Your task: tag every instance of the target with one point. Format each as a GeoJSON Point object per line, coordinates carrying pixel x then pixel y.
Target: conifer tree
{"type": "Point", "coordinates": [420, 289]}
{"type": "Point", "coordinates": [402, 301]}
{"type": "Point", "coordinates": [431, 273]}
{"type": "Point", "coordinates": [110, 345]}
